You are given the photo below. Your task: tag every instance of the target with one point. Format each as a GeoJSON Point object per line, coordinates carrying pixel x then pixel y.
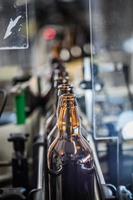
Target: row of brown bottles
{"type": "Point", "coordinates": [60, 85]}
{"type": "Point", "coordinates": [71, 171]}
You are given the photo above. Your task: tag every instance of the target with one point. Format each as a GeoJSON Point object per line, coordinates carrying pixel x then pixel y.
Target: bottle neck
{"type": "Point", "coordinates": [62, 89]}
{"type": "Point", "coordinates": [68, 120]}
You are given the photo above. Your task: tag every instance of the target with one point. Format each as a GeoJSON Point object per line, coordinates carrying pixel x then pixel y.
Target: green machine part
{"type": "Point", "coordinates": [20, 101]}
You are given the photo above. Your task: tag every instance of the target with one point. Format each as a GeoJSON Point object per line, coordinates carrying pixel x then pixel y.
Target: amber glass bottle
{"type": "Point", "coordinates": [72, 174]}
{"type": "Point", "coordinates": [61, 89]}
{"type": "Point", "coordinates": [57, 79]}
{"type": "Point", "coordinates": [51, 124]}
{"type": "Point", "coordinates": [59, 72]}
{"type": "Point", "coordinates": [50, 127]}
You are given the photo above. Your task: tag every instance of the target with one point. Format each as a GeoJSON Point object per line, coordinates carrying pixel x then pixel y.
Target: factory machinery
{"type": "Point", "coordinates": [57, 158]}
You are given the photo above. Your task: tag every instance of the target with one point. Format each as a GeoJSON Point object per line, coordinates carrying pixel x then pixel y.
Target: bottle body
{"type": "Point", "coordinates": [72, 174]}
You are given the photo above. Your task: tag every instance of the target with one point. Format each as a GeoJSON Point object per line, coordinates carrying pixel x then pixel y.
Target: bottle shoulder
{"type": "Point", "coordinates": [74, 150]}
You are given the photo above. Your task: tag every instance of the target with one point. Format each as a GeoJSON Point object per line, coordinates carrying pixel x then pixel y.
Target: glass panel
{"type": "Point", "coordinates": [111, 38]}
{"type": "Point", "coordinates": [111, 24]}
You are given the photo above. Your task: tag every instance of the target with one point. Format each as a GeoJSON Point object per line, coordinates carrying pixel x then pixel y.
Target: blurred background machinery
{"type": "Point", "coordinates": [94, 41]}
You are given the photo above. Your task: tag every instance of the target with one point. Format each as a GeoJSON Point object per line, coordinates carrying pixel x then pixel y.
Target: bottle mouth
{"type": "Point", "coordinates": [68, 100]}
{"type": "Point", "coordinates": [59, 81]}
{"type": "Point", "coordinates": [68, 97]}
{"type": "Point", "coordinates": [64, 85]}
{"type": "Point", "coordinates": [64, 89]}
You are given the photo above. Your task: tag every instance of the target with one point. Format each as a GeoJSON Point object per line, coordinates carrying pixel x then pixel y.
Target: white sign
{"type": "Point", "coordinates": [13, 24]}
